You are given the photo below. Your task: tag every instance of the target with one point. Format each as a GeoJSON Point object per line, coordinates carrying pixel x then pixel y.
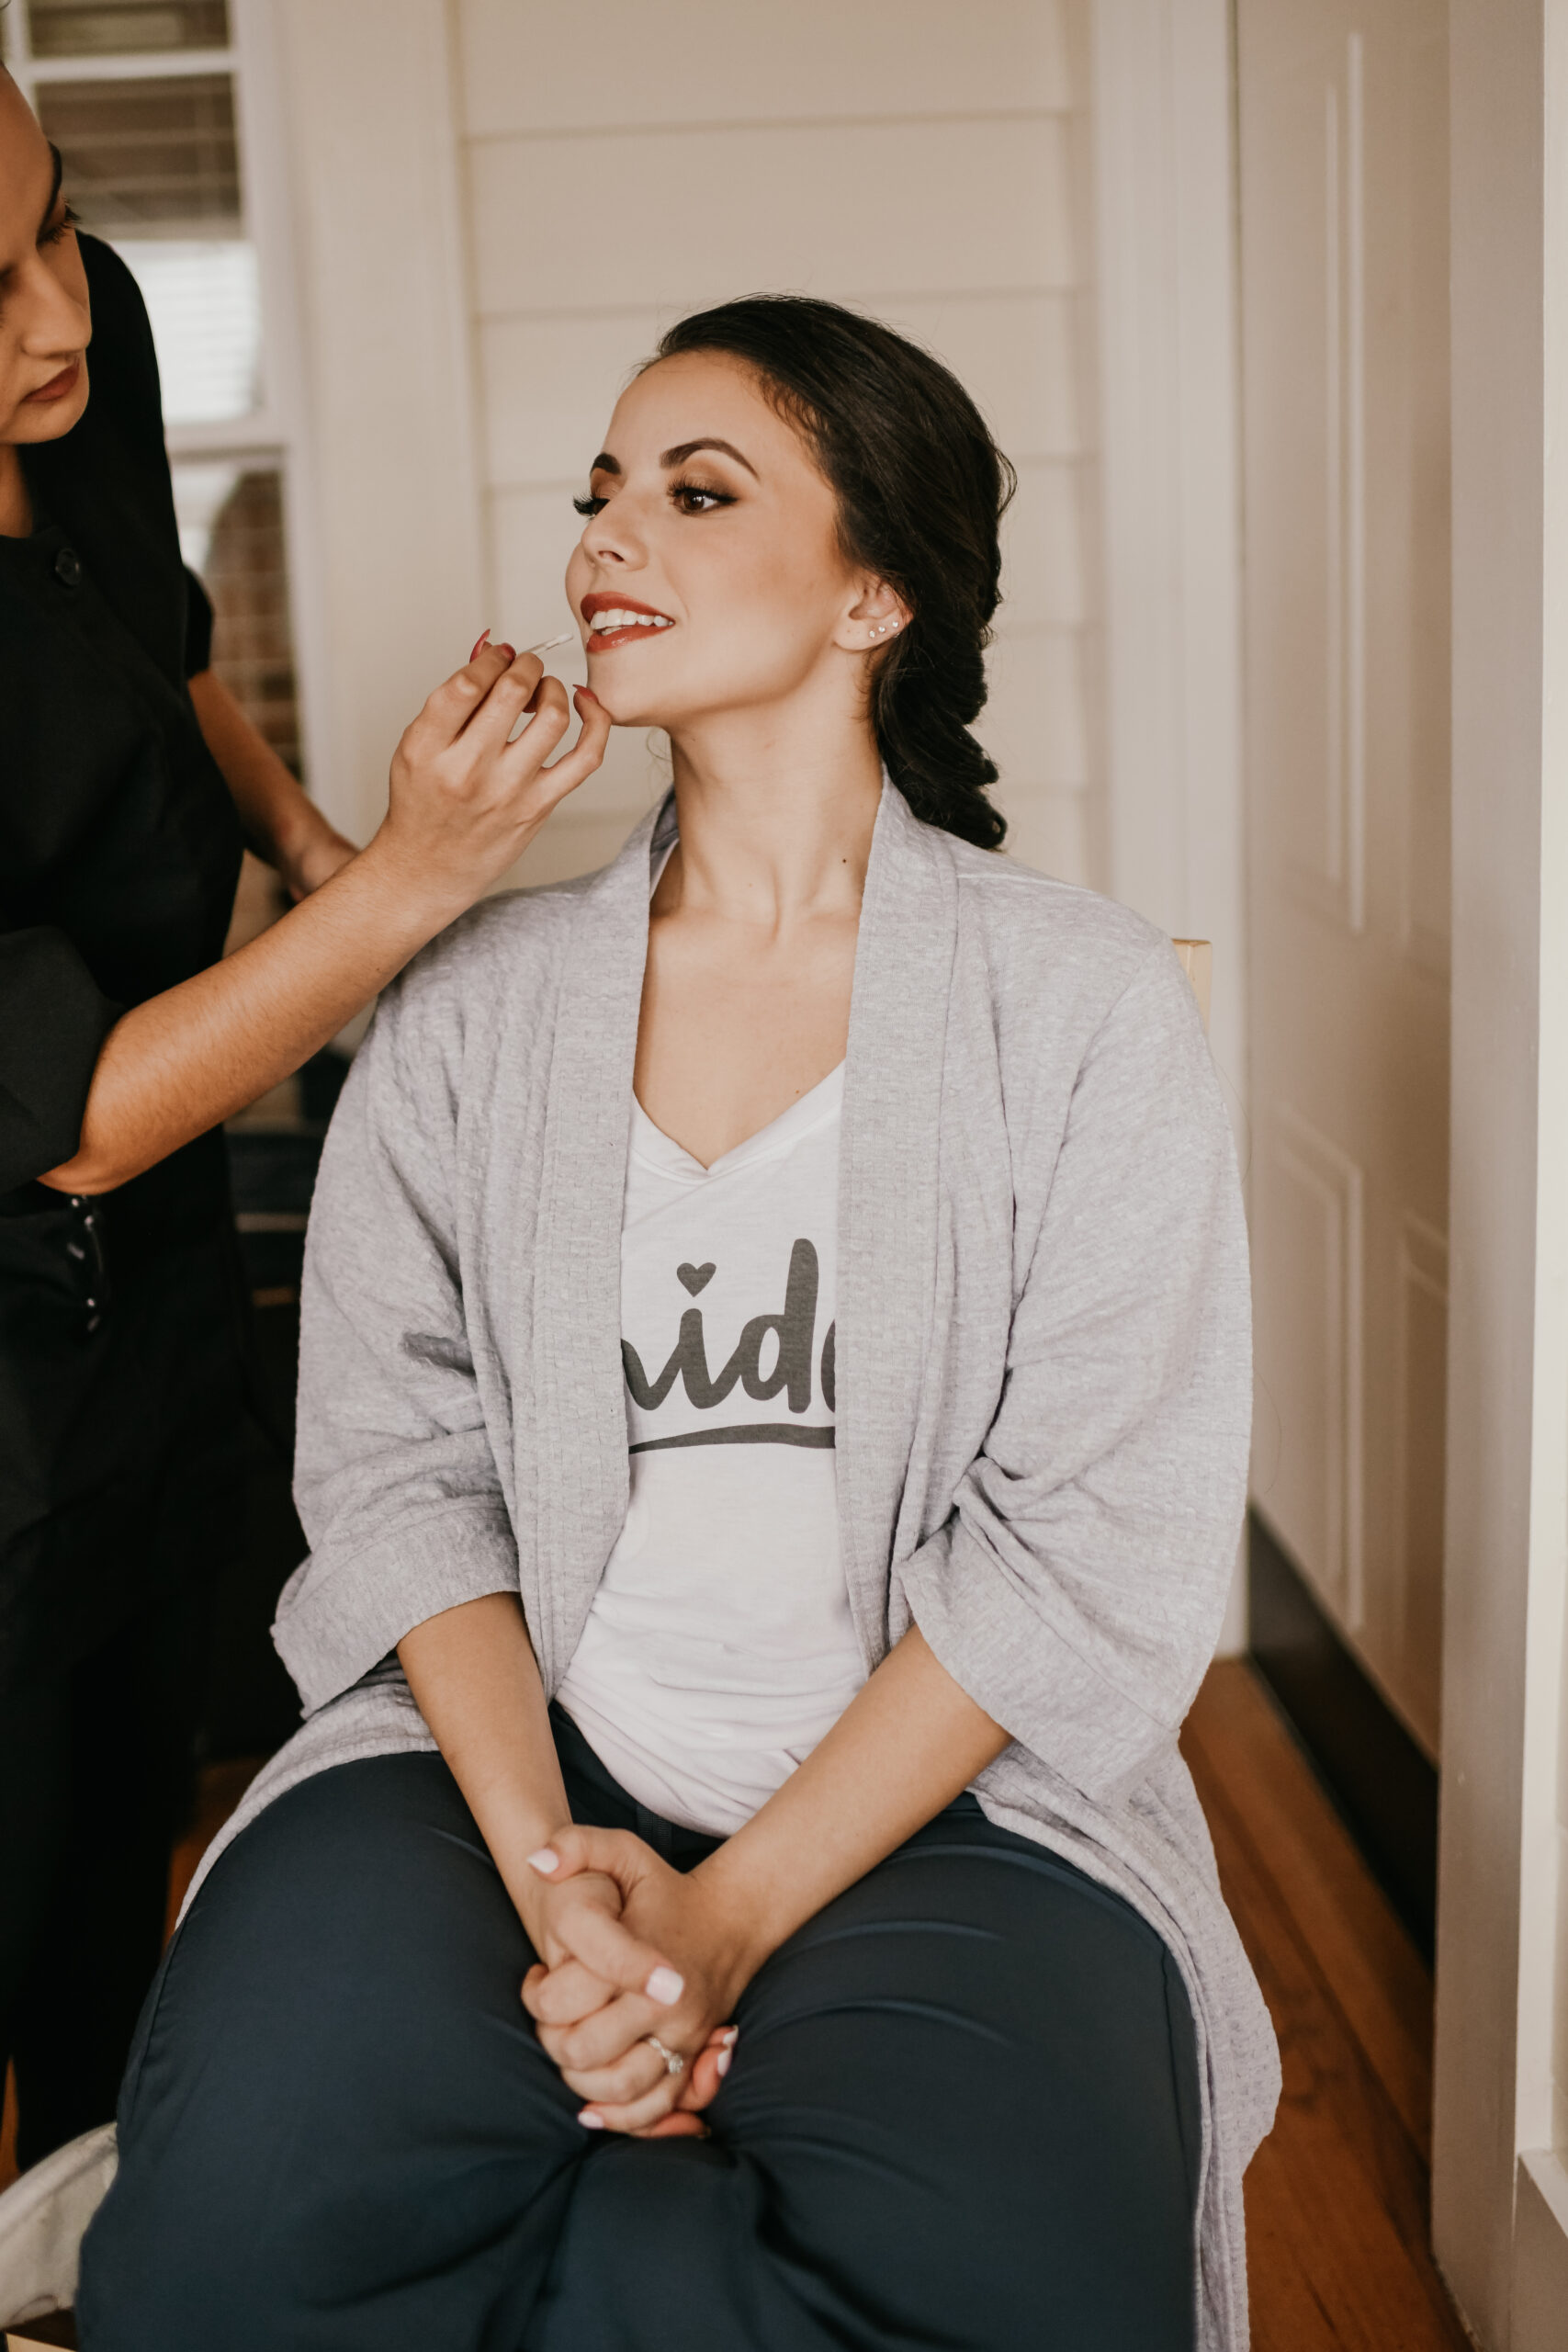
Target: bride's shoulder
{"type": "Point", "coordinates": [1038, 930]}
{"type": "Point", "coordinates": [510, 932]}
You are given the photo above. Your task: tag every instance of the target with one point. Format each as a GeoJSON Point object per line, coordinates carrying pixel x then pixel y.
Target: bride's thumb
{"type": "Point", "coordinates": [575, 1850]}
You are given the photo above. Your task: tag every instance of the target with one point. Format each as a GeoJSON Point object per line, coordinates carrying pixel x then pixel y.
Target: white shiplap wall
{"type": "Point", "coordinates": [625, 164]}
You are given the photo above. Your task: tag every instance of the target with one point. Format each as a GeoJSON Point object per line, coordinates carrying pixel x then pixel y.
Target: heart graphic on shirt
{"type": "Point", "coordinates": [696, 1278]}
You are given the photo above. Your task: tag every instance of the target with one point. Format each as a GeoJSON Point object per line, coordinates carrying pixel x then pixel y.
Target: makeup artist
{"type": "Point", "coordinates": [130, 780]}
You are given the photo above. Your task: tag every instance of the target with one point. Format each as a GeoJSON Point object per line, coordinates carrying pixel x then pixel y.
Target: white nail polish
{"type": "Point", "coordinates": [665, 1987]}
{"type": "Point", "coordinates": [590, 2121]}
{"type": "Point", "coordinates": [730, 2036]}
{"type": "Point", "coordinates": [545, 1861]}
{"type": "Point", "coordinates": [723, 2061]}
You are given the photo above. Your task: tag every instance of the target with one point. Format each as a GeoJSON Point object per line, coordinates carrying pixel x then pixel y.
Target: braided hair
{"type": "Point", "coordinates": [921, 489]}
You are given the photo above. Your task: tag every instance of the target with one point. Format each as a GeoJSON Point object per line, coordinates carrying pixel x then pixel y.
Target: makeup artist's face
{"type": "Point", "coordinates": [45, 322]}
{"type": "Point", "coordinates": [712, 531]}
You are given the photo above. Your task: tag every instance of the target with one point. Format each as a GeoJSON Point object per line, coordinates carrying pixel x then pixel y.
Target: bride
{"type": "Point", "coordinates": [773, 1429]}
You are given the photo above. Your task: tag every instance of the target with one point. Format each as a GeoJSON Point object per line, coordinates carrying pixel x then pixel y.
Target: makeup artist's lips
{"type": "Point", "coordinates": [58, 387]}
{"type": "Point", "coordinates": [621, 621]}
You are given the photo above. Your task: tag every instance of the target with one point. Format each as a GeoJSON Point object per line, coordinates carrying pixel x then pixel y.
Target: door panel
{"type": "Point", "coordinates": [1343, 230]}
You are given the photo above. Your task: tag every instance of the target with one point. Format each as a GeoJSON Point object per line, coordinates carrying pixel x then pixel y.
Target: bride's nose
{"type": "Point", "coordinates": [613, 539]}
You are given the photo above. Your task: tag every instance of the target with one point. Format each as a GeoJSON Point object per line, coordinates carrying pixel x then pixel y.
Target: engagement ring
{"type": "Point", "coordinates": [673, 2062]}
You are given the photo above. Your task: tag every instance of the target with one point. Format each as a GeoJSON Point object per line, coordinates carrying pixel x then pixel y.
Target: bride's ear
{"type": "Point", "coordinates": [876, 616]}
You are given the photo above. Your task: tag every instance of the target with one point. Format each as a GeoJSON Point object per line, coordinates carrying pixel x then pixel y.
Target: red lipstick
{"type": "Point", "coordinates": [633, 632]}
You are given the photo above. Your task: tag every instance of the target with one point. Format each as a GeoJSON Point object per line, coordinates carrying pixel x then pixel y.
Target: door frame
{"type": "Point", "coordinates": [1166, 290]}
{"type": "Point", "coordinates": [1500, 2195]}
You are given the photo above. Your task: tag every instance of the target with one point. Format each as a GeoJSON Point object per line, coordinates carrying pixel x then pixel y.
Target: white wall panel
{"type": "Point", "coordinates": [901, 207]}
{"type": "Point", "coordinates": [1022, 354]}
{"type": "Point", "coordinates": [1033, 724]}
{"type": "Point", "coordinates": [535, 69]}
{"type": "Point", "coordinates": [1053, 832]}
{"type": "Point", "coordinates": [549, 386]}
{"type": "Point", "coordinates": [1044, 550]}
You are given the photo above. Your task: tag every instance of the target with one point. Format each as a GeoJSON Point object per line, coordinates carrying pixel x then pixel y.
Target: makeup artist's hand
{"type": "Point", "coordinates": [603, 2046]}
{"type": "Point", "coordinates": [466, 800]}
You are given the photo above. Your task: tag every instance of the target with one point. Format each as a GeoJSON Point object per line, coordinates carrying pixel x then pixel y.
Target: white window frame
{"type": "Point", "coordinates": [276, 433]}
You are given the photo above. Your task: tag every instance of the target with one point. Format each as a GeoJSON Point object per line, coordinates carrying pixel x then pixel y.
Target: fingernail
{"type": "Point", "coordinates": [545, 1861]}
{"type": "Point", "coordinates": [510, 650]}
{"type": "Point", "coordinates": [479, 645]}
{"type": "Point", "coordinates": [731, 2037]}
{"type": "Point", "coordinates": [723, 2061]}
{"type": "Point", "coordinates": [586, 694]}
{"type": "Point", "coordinates": [590, 2121]}
{"type": "Point", "coordinates": [665, 1987]}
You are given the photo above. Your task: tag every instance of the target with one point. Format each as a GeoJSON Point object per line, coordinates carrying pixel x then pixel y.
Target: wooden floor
{"type": "Point", "coordinates": [1337, 2196]}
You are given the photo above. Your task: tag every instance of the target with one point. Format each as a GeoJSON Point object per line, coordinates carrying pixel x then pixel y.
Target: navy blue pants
{"type": "Point", "coordinates": [963, 2113]}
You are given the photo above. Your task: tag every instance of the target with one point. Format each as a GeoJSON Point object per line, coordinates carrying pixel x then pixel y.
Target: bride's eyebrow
{"type": "Point", "coordinates": [604, 464]}
{"type": "Point", "coordinates": [685, 450]}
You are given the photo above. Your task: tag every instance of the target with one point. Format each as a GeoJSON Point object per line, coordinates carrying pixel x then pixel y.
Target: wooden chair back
{"type": "Point", "coordinates": [1197, 959]}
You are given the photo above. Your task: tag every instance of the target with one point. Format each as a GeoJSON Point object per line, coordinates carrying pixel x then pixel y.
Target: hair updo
{"type": "Point", "coordinates": [921, 489]}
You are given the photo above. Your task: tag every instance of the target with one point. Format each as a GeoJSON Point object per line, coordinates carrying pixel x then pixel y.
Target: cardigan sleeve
{"type": "Point", "coordinates": [395, 1481]}
{"type": "Point", "coordinates": [1076, 1589]}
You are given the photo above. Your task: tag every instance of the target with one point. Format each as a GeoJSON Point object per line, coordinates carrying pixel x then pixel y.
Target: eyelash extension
{"type": "Point", "coordinates": [71, 218]}
{"type": "Point", "coordinates": [589, 507]}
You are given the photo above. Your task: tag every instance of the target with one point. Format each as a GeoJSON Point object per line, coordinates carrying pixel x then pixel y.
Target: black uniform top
{"type": "Point", "coordinates": [120, 852]}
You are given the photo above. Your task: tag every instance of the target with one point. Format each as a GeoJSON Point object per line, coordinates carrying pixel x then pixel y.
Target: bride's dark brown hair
{"type": "Point", "coordinates": [921, 489]}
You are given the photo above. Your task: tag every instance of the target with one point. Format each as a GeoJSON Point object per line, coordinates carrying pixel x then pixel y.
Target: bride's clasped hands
{"type": "Point", "coordinates": [640, 1971]}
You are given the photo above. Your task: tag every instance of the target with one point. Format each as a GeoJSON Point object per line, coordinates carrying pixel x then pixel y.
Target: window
{"type": "Point", "coordinates": [147, 106]}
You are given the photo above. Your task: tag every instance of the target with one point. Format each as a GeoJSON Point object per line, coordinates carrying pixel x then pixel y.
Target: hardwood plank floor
{"type": "Point", "coordinates": [1337, 2196]}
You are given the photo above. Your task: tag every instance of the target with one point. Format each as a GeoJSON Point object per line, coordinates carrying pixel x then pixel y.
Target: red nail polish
{"type": "Point", "coordinates": [510, 650]}
{"type": "Point", "coordinates": [479, 646]}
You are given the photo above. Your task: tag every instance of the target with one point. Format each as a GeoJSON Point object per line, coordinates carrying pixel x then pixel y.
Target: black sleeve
{"type": "Point", "coordinates": [54, 1019]}
{"type": "Point", "coordinates": [198, 626]}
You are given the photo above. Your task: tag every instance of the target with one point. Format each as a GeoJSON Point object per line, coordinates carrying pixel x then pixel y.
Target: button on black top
{"type": "Point", "coordinates": [68, 568]}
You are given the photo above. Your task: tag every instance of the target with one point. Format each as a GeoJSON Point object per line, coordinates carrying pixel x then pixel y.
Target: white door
{"type": "Point", "coordinates": [1344, 241]}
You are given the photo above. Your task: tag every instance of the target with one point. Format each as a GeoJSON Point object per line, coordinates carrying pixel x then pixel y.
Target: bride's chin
{"type": "Point", "coordinates": [625, 709]}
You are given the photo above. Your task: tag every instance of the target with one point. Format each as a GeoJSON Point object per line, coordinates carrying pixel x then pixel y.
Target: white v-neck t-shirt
{"type": "Point", "coordinates": [719, 1647]}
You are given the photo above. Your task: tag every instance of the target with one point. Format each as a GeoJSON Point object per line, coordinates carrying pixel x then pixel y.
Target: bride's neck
{"type": "Point", "coordinates": [772, 828]}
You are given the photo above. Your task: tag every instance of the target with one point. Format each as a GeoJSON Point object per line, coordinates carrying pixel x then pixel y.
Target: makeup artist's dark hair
{"type": "Point", "coordinates": [921, 489]}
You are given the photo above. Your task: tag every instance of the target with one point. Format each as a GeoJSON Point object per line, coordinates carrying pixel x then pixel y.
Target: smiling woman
{"type": "Point", "coordinates": [778, 1692]}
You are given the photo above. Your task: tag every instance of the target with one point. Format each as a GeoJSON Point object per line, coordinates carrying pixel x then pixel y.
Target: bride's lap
{"type": "Point", "coordinates": [964, 2109]}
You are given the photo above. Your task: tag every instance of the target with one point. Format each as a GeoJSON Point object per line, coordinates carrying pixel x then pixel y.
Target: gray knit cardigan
{"type": "Point", "coordinates": [1043, 1375]}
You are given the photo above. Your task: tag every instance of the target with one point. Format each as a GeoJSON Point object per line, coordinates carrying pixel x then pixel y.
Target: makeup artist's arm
{"type": "Point", "coordinates": [281, 822]}
{"type": "Point", "coordinates": [465, 803]}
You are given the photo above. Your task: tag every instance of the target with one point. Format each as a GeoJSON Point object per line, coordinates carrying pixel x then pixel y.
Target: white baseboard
{"type": "Point", "coordinates": [1538, 2312]}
